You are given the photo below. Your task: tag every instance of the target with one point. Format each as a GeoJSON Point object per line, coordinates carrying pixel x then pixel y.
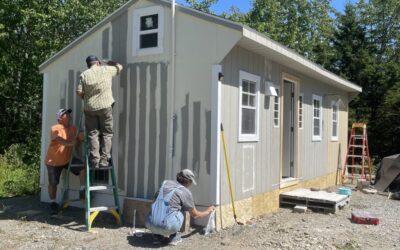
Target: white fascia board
{"type": "Point", "coordinates": [268, 43]}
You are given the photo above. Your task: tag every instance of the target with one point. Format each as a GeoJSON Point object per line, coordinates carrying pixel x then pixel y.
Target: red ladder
{"type": "Point", "coordinates": [357, 156]}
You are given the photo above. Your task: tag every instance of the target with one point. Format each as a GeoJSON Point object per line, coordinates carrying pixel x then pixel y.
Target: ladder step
{"type": "Point", "coordinates": [100, 187]}
{"type": "Point", "coordinates": [102, 208]}
{"type": "Point", "coordinates": [97, 169]}
{"type": "Point", "coordinates": [358, 156]}
{"type": "Point", "coordinates": [356, 146]}
{"type": "Point", "coordinates": [354, 166]}
{"type": "Point", "coordinates": [77, 165]}
{"type": "Point", "coordinates": [358, 136]}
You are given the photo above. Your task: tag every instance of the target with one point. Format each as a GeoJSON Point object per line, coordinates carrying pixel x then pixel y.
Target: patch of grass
{"type": "Point", "coordinates": [19, 171]}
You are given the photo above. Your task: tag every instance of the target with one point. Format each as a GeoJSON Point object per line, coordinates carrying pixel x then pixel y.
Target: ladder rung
{"type": "Point", "coordinates": [358, 156]}
{"type": "Point", "coordinates": [358, 136]}
{"type": "Point", "coordinates": [77, 165]}
{"type": "Point", "coordinates": [102, 208]}
{"type": "Point", "coordinates": [356, 146]}
{"type": "Point", "coordinates": [100, 187]}
{"type": "Point", "coordinates": [96, 169]}
{"type": "Point", "coordinates": [353, 166]}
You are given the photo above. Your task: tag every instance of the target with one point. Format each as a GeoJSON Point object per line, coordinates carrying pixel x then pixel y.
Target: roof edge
{"type": "Point", "coordinates": [283, 50]}
{"type": "Point", "coordinates": [95, 28]}
{"type": "Point", "coordinates": [118, 12]}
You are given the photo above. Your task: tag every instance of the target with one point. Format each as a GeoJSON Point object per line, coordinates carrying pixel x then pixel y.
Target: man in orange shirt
{"type": "Point", "coordinates": [63, 137]}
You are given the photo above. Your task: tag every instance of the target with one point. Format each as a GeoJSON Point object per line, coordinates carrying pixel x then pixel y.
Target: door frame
{"type": "Point", "coordinates": [296, 83]}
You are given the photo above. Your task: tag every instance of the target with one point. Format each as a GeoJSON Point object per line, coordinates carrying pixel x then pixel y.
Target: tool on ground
{"type": "Point", "coordinates": [357, 156]}
{"type": "Point", "coordinates": [229, 176]}
{"type": "Point", "coordinates": [91, 212]}
{"type": "Point", "coordinates": [364, 217]}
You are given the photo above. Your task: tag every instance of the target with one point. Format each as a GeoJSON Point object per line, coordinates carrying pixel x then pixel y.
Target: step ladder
{"type": "Point", "coordinates": [358, 162]}
{"type": "Point", "coordinates": [91, 212]}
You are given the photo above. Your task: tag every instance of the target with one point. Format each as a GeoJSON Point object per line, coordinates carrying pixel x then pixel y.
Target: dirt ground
{"type": "Point", "coordinates": [25, 223]}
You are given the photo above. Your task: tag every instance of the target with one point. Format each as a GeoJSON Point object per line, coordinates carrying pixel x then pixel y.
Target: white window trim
{"type": "Point", "coordinates": [254, 78]}
{"type": "Point", "coordinates": [335, 138]}
{"type": "Point", "coordinates": [317, 137]}
{"type": "Point", "coordinates": [137, 14]}
{"type": "Point", "coordinates": [301, 107]}
{"type": "Point", "coordinates": [279, 108]}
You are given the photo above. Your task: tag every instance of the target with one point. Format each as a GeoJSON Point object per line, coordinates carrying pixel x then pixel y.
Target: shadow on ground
{"type": "Point", "coordinates": [29, 208]}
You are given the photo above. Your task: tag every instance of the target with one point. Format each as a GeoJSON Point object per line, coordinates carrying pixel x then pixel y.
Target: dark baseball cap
{"type": "Point", "coordinates": [91, 58]}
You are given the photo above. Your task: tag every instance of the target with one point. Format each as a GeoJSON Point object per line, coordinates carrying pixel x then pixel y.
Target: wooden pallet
{"type": "Point", "coordinates": [314, 200]}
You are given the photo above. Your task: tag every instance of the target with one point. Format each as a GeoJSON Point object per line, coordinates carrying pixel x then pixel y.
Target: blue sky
{"type": "Point", "coordinates": [245, 5]}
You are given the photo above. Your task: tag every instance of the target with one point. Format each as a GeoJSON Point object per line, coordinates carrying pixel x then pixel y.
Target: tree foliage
{"type": "Point", "coordinates": [302, 25]}
{"type": "Point", "coordinates": [30, 32]}
{"type": "Point", "coordinates": [202, 5]}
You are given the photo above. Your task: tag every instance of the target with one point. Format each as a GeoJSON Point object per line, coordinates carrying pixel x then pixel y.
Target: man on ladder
{"type": "Point", "coordinates": [59, 153]}
{"type": "Point", "coordinates": [95, 88]}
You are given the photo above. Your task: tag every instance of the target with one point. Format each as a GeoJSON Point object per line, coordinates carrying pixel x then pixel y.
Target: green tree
{"type": "Point", "coordinates": [302, 25]}
{"type": "Point", "coordinates": [202, 5]}
{"type": "Point", "coordinates": [30, 32]}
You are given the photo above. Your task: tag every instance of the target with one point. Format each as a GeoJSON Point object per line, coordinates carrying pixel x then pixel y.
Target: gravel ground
{"type": "Point", "coordinates": [26, 224]}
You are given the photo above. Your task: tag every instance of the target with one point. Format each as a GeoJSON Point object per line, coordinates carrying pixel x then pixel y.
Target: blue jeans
{"type": "Point", "coordinates": [171, 224]}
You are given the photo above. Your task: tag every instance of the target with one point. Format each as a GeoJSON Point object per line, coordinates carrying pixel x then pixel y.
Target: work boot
{"type": "Point", "coordinates": [54, 208]}
{"type": "Point", "coordinates": [104, 162]}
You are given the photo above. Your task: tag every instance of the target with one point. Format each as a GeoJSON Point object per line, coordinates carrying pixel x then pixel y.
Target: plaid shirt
{"type": "Point", "coordinates": [95, 84]}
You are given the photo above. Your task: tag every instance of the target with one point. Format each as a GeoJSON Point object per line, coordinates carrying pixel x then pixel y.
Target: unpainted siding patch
{"type": "Point", "coordinates": [248, 168]}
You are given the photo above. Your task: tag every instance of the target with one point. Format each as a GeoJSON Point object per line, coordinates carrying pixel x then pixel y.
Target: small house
{"type": "Point", "coordinates": [186, 73]}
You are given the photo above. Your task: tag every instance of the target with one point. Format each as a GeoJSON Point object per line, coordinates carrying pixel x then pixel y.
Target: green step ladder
{"type": "Point", "coordinates": [91, 212]}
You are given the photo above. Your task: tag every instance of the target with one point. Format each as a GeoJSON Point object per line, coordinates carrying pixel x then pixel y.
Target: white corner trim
{"type": "Point", "coordinates": [215, 154]}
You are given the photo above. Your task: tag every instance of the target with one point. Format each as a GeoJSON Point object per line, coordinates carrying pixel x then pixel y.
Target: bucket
{"type": "Point", "coordinates": [344, 191]}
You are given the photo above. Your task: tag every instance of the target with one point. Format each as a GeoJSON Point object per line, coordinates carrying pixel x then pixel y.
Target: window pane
{"type": "Point", "coordinates": [252, 101]}
{"type": "Point", "coordinates": [148, 40]}
{"type": "Point", "coordinates": [245, 87]}
{"type": "Point", "coordinates": [149, 22]}
{"type": "Point", "coordinates": [248, 121]}
{"type": "Point", "coordinates": [245, 99]}
{"type": "Point", "coordinates": [334, 129]}
{"type": "Point", "coordinates": [316, 127]}
{"type": "Point", "coordinates": [252, 87]}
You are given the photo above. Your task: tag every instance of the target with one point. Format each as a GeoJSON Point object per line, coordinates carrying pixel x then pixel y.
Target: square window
{"type": "Point", "coordinates": [148, 41]}
{"type": "Point", "coordinates": [149, 22]}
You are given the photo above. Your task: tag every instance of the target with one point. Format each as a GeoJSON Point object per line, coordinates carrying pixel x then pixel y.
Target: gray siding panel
{"type": "Point", "coordinates": [312, 156]}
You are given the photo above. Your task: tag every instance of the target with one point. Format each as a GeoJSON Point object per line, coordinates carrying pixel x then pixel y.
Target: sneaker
{"type": "Point", "coordinates": [176, 240]}
{"type": "Point", "coordinates": [54, 208]}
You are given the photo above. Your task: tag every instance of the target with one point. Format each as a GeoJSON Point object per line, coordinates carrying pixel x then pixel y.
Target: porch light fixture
{"type": "Point", "coordinates": [270, 89]}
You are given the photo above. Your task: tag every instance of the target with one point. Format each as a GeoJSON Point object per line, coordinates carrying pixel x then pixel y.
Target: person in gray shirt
{"type": "Point", "coordinates": [172, 200]}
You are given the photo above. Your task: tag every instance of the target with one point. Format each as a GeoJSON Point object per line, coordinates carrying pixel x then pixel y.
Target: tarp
{"type": "Point", "coordinates": [388, 173]}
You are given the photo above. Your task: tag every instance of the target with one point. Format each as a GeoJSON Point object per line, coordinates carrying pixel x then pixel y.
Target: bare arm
{"type": "Point", "coordinates": [200, 214]}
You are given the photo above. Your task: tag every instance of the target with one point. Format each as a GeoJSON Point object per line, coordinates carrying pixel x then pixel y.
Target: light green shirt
{"type": "Point", "coordinates": [96, 85]}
